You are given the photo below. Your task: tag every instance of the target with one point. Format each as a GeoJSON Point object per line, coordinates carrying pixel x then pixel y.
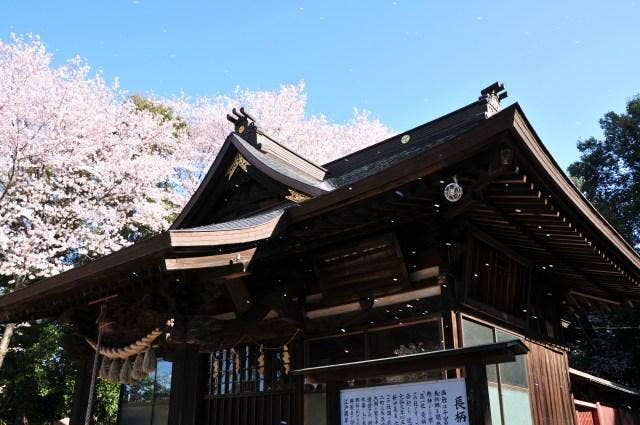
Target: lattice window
{"type": "Point", "coordinates": [248, 368]}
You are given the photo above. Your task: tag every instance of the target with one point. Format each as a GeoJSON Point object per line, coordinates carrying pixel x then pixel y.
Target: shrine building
{"type": "Point", "coordinates": [426, 279]}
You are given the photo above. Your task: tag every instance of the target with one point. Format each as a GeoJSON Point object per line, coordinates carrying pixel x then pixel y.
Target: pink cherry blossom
{"type": "Point", "coordinates": [82, 169]}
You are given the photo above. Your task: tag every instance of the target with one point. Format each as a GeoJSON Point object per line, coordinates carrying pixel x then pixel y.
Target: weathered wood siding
{"type": "Point", "coordinates": [550, 389]}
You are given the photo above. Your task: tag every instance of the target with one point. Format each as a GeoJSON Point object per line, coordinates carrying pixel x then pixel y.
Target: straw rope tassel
{"type": "Point", "coordinates": [104, 368]}
{"type": "Point", "coordinates": [149, 361]}
{"type": "Point", "coordinates": [136, 370]}
{"type": "Point", "coordinates": [125, 370]}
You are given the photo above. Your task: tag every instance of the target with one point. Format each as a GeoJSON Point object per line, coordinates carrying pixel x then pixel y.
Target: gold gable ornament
{"type": "Point", "coordinates": [296, 197]}
{"type": "Point", "coordinates": [238, 161]}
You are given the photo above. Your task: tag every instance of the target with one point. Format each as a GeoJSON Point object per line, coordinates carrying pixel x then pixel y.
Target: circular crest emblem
{"type": "Point", "coordinates": [453, 192]}
{"type": "Point", "coordinates": [405, 139]}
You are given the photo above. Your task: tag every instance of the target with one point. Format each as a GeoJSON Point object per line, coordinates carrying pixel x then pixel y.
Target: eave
{"type": "Point", "coordinates": [235, 232]}
{"type": "Point", "coordinates": [510, 120]}
{"type": "Point", "coordinates": [603, 382]}
{"type": "Point", "coordinates": [573, 199]}
{"type": "Point", "coordinates": [164, 250]}
{"type": "Point", "coordinates": [499, 352]}
{"type": "Point", "coordinates": [143, 252]}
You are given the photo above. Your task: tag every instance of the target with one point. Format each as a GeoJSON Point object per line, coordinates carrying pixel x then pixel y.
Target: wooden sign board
{"type": "Point", "coordinates": [430, 403]}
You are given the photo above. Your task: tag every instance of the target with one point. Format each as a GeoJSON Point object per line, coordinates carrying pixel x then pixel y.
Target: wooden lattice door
{"type": "Point", "coordinates": [250, 385]}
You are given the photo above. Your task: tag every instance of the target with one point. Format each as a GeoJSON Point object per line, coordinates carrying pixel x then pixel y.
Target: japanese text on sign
{"type": "Point", "coordinates": [420, 403]}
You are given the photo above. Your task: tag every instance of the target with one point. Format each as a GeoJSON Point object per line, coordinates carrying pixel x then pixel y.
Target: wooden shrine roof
{"type": "Point", "coordinates": [580, 375]}
{"type": "Point", "coordinates": [534, 208]}
{"type": "Point", "coordinates": [380, 156]}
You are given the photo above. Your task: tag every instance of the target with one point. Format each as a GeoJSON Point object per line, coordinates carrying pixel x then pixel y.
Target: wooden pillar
{"type": "Point", "coordinates": [184, 386]}
{"type": "Point", "coordinates": [81, 390]}
{"type": "Point", "coordinates": [450, 337]}
{"type": "Point", "coordinates": [479, 408]}
{"type": "Point", "coordinates": [333, 403]}
{"type": "Point", "coordinates": [449, 320]}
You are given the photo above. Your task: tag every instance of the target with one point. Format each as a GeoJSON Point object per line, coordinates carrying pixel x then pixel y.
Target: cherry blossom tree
{"type": "Point", "coordinates": [82, 170]}
{"type": "Point", "coordinates": [86, 170]}
{"type": "Point", "coordinates": [279, 114]}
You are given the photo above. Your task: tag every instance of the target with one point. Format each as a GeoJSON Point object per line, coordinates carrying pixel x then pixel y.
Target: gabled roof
{"type": "Point", "coordinates": [292, 177]}
{"type": "Point", "coordinates": [291, 173]}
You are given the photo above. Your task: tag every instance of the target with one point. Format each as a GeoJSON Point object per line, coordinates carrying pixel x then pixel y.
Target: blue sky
{"type": "Point", "coordinates": [565, 62]}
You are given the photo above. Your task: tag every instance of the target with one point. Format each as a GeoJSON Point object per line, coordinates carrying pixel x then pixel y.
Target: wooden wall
{"type": "Point", "coordinates": [497, 277]}
{"type": "Point", "coordinates": [550, 389]}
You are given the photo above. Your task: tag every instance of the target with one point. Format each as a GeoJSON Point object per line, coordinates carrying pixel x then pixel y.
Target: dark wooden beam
{"type": "Point", "coordinates": [500, 352]}
{"type": "Point", "coordinates": [240, 295]}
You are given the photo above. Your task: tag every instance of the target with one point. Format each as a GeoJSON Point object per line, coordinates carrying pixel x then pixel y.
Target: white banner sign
{"type": "Point", "coordinates": [420, 403]}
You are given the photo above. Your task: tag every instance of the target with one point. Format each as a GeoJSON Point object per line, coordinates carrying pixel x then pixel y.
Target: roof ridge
{"type": "Point", "coordinates": [484, 107]}
{"type": "Point", "coordinates": [292, 152]}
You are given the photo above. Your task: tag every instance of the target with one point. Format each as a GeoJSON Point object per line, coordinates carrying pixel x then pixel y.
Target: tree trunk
{"type": "Point", "coordinates": [22, 420]}
{"type": "Point", "coordinates": [9, 328]}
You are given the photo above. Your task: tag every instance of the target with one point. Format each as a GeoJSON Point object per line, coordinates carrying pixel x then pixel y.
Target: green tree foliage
{"type": "Point", "coordinates": [607, 346]}
{"type": "Point", "coordinates": [106, 402]}
{"type": "Point", "coordinates": [159, 110]}
{"type": "Point", "coordinates": [166, 115]}
{"type": "Point", "coordinates": [36, 378]}
{"type": "Point", "coordinates": [608, 173]}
